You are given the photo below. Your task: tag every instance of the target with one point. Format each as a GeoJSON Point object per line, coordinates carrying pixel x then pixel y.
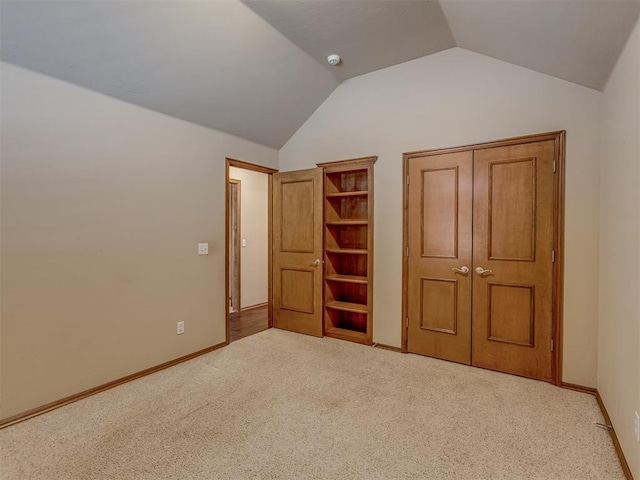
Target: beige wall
{"type": "Point", "coordinates": [619, 328]}
{"type": "Point", "coordinates": [452, 98]}
{"type": "Point", "coordinates": [103, 204]}
{"type": "Point", "coordinates": [254, 226]}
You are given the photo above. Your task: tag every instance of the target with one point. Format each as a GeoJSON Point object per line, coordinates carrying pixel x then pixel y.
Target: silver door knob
{"type": "Point", "coordinates": [482, 271]}
{"type": "Point", "coordinates": [463, 270]}
{"type": "Point", "coordinates": [315, 263]}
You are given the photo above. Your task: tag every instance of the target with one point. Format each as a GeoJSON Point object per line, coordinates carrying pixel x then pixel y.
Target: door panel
{"type": "Point", "coordinates": [296, 288]}
{"type": "Point", "coordinates": [513, 242]}
{"type": "Point", "coordinates": [297, 215]}
{"type": "Point", "coordinates": [438, 300]}
{"type": "Point", "coordinates": [297, 243]}
{"type": "Point", "coordinates": [511, 313]}
{"type": "Point", "coordinates": [439, 235]}
{"type": "Point", "coordinates": [512, 203]}
{"type": "Point", "coordinates": [439, 226]}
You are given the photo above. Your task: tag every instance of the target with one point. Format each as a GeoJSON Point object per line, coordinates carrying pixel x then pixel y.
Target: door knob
{"type": "Point", "coordinates": [482, 271]}
{"type": "Point", "coordinates": [315, 263]}
{"type": "Point", "coordinates": [463, 270]}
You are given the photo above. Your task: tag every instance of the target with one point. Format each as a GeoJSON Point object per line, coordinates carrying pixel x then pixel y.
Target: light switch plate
{"type": "Point", "coordinates": [244, 242]}
{"type": "Point", "coordinates": [203, 249]}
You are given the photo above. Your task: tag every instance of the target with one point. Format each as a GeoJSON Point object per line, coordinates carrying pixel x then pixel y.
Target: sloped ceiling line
{"type": "Point", "coordinates": [257, 68]}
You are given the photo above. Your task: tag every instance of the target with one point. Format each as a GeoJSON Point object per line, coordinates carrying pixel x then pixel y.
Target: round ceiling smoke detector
{"type": "Point", "coordinates": [333, 59]}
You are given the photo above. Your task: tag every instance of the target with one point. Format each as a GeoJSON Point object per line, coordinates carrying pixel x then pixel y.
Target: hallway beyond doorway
{"type": "Point", "coordinates": [248, 322]}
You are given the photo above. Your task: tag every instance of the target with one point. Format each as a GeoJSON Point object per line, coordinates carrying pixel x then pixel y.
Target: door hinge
{"type": "Point", "coordinates": [555, 166]}
{"type": "Point", "coordinates": [553, 345]}
{"type": "Point", "coordinates": [407, 179]}
{"type": "Point", "coordinates": [407, 251]}
{"type": "Point", "coordinates": [553, 256]}
{"type": "Point", "coordinates": [406, 322]}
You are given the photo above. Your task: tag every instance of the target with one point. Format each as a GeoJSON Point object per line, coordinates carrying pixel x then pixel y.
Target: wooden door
{"type": "Point", "coordinates": [234, 245]}
{"type": "Point", "coordinates": [439, 263]}
{"type": "Point", "coordinates": [513, 259]}
{"type": "Point", "coordinates": [297, 251]}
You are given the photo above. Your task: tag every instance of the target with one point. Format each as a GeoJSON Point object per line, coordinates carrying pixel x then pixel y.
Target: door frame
{"type": "Point", "coordinates": [232, 162]}
{"type": "Point", "coordinates": [237, 205]}
{"type": "Point", "coordinates": [559, 137]}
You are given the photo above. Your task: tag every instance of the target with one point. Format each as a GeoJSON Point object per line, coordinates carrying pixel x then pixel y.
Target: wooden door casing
{"type": "Point", "coordinates": [513, 238]}
{"type": "Point", "coordinates": [297, 244]}
{"type": "Point", "coordinates": [232, 162]}
{"type": "Point", "coordinates": [439, 241]}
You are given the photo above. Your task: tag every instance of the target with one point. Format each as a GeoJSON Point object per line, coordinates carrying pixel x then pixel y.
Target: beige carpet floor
{"type": "Point", "coordinates": [282, 405]}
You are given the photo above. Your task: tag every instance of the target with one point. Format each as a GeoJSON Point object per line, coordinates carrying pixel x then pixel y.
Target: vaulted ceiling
{"type": "Point", "coordinates": [257, 69]}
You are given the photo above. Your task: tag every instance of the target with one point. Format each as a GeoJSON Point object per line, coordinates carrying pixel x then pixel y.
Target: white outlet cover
{"type": "Point", "coordinates": [180, 328]}
{"type": "Point", "coordinates": [203, 249]}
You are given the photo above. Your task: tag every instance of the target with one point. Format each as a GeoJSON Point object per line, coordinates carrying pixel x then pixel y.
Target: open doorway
{"type": "Point", "coordinates": [248, 226]}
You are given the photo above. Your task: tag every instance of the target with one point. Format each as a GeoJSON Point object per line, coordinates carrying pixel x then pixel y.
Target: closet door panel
{"type": "Point", "coordinates": [439, 236]}
{"type": "Point", "coordinates": [512, 204]}
{"type": "Point", "coordinates": [512, 253]}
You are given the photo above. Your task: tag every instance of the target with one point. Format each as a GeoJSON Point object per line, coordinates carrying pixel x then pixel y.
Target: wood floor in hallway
{"type": "Point", "coordinates": [248, 322]}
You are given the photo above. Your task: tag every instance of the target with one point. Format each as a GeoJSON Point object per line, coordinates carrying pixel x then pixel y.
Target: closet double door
{"type": "Point", "coordinates": [481, 255]}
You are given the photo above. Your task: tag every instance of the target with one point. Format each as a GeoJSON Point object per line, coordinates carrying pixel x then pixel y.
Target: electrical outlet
{"type": "Point", "coordinates": [636, 426]}
{"type": "Point", "coordinates": [203, 249]}
{"type": "Point", "coordinates": [180, 328]}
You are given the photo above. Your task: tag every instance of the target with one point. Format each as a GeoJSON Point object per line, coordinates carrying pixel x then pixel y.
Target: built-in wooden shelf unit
{"type": "Point", "coordinates": [348, 249]}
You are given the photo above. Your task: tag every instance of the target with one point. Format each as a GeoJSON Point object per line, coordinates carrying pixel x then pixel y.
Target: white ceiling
{"type": "Point", "coordinates": [216, 63]}
{"type": "Point", "coordinates": [576, 40]}
{"type": "Point", "coordinates": [368, 34]}
{"type": "Point", "coordinates": [258, 69]}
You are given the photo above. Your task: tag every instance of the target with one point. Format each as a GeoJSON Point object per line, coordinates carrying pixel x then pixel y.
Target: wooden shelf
{"type": "Point", "coordinates": [347, 222]}
{"type": "Point", "coordinates": [348, 307]}
{"type": "Point", "coordinates": [345, 334]}
{"type": "Point", "coordinates": [347, 279]}
{"type": "Point", "coordinates": [347, 251]}
{"type": "Point", "coordinates": [359, 193]}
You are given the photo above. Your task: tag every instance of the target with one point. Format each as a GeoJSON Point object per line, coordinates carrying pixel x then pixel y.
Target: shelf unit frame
{"type": "Point", "coordinates": [348, 249]}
